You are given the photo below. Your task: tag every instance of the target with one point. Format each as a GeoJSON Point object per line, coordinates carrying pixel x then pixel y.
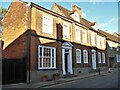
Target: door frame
{"type": "Point", "coordinates": [67, 46]}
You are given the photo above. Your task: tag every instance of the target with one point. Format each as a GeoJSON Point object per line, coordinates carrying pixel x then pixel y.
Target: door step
{"type": "Point", "coordinates": [68, 75]}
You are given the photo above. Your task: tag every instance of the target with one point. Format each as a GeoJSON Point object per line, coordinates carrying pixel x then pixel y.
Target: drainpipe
{"type": "Point", "coordinates": [29, 5]}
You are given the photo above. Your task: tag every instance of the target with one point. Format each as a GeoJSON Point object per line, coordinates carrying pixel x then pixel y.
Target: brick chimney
{"type": "Point", "coordinates": [78, 9]}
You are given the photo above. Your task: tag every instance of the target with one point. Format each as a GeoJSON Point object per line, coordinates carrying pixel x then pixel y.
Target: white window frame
{"type": "Point", "coordinates": [66, 30]}
{"type": "Point", "coordinates": [77, 31]}
{"type": "Point", "coordinates": [103, 58]}
{"type": "Point", "coordinates": [76, 17]}
{"type": "Point", "coordinates": [99, 57]}
{"type": "Point", "coordinates": [92, 38]}
{"type": "Point", "coordinates": [98, 40]}
{"type": "Point", "coordinates": [47, 24]}
{"type": "Point", "coordinates": [39, 46]}
{"type": "Point", "coordinates": [102, 42]}
{"type": "Point", "coordinates": [85, 56]}
{"type": "Point", "coordinates": [84, 36]}
{"type": "Point", "coordinates": [79, 55]}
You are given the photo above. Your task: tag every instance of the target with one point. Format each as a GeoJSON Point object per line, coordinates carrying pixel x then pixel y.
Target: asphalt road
{"type": "Point", "coordinates": [109, 80]}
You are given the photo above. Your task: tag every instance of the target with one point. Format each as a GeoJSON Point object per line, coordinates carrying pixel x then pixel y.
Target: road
{"type": "Point", "coordinates": [109, 80]}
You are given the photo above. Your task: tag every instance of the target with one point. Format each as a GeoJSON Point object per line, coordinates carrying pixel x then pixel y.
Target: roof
{"type": "Point", "coordinates": [110, 36]}
{"type": "Point", "coordinates": [67, 13]}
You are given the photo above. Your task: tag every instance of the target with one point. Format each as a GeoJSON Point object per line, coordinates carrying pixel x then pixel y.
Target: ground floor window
{"type": "Point", "coordinates": [46, 57]}
{"type": "Point", "coordinates": [85, 56]}
{"type": "Point", "coordinates": [103, 57]}
{"type": "Point", "coordinates": [78, 56]}
{"type": "Point", "coordinates": [99, 57]}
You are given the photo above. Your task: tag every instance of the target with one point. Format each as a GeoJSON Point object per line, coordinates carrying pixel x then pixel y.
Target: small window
{"type": "Point", "coordinates": [78, 56]}
{"type": "Point", "coordinates": [46, 57]}
{"type": "Point", "coordinates": [76, 17]}
{"type": "Point", "coordinates": [103, 57]}
{"type": "Point", "coordinates": [85, 56]}
{"type": "Point", "coordinates": [99, 57]}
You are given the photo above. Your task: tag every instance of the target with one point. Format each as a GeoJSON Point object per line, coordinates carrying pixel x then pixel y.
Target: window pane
{"type": "Point", "coordinates": [85, 56]}
{"type": "Point", "coordinates": [78, 56]}
{"type": "Point", "coordinates": [47, 25]}
{"type": "Point", "coordinates": [48, 57]}
{"type": "Point", "coordinates": [66, 30]}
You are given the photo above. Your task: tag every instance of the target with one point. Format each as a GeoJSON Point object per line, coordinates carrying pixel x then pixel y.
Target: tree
{"type": "Point", "coordinates": [2, 14]}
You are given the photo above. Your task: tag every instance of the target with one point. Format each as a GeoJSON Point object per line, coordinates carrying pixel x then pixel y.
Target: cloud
{"type": "Point", "coordinates": [103, 25]}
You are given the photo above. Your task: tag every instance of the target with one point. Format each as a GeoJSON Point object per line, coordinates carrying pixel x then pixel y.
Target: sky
{"type": "Point", "coordinates": [105, 13]}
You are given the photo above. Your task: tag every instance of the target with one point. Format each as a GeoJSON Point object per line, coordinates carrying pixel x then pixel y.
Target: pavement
{"type": "Point", "coordinates": [54, 82]}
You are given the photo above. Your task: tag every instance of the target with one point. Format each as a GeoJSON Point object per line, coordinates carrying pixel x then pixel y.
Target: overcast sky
{"type": "Point", "coordinates": [104, 13]}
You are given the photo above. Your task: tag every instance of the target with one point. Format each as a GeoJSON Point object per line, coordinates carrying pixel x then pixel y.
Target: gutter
{"type": "Point", "coordinates": [29, 6]}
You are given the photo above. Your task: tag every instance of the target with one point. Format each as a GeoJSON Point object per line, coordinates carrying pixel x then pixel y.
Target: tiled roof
{"type": "Point", "coordinates": [110, 36]}
{"type": "Point", "coordinates": [67, 13]}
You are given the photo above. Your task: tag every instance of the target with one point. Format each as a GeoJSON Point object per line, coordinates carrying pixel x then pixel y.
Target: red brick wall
{"type": "Point", "coordinates": [14, 27]}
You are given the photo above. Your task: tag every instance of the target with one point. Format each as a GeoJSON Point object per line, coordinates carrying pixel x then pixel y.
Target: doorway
{"type": "Point", "coordinates": [67, 58]}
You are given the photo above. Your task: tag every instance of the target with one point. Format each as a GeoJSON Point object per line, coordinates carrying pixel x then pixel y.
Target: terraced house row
{"type": "Point", "coordinates": [56, 41]}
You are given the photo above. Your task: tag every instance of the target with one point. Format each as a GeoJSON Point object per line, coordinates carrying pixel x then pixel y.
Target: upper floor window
{"type": "Point", "coordinates": [77, 34]}
{"type": "Point", "coordinates": [46, 57]}
{"type": "Point", "coordinates": [84, 36]}
{"type": "Point", "coordinates": [76, 17]}
{"type": "Point", "coordinates": [102, 42]}
{"type": "Point", "coordinates": [66, 30]}
{"type": "Point", "coordinates": [92, 38]}
{"type": "Point", "coordinates": [85, 56]}
{"type": "Point", "coordinates": [78, 56]}
{"type": "Point", "coordinates": [98, 40]}
{"type": "Point", "coordinates": [47, 24]}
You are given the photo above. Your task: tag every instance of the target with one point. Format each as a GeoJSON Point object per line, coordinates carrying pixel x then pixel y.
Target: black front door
{"type": "Point", "coordinates": [66, 62]}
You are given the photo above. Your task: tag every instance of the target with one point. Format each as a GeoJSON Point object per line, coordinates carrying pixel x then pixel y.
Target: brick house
{"type": "Point", "coordinates": [56, 40]}
{"type": "Point", "coordinates": [113, 48]}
